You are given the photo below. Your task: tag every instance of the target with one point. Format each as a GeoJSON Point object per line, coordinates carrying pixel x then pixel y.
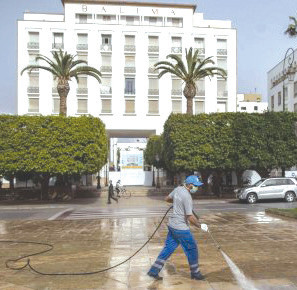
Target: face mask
{"type": "Point", "coordinates": [194, 189]}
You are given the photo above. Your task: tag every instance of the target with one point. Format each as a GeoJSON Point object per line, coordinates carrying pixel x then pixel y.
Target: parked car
{"type": "Point", "coordinates": [269, 188]}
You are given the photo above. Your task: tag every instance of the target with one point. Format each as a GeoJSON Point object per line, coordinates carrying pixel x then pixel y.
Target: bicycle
{"type": "Point", "coordinates": [124, 192]}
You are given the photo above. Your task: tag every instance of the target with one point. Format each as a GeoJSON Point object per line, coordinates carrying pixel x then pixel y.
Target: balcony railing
{"type": "Point", "coordinates": [82, 91]}
{"type": "Point", "coordinates": [33, 45]}
{"type": "Point", "coordinates": [221, 51]}
{"type": "Point", "coordinates": [200, 93]}
{"type": "Point", "coordinates": [106, 68]}
{"type": "Point", "coordinates": [176, 49]}
{"type": "Point", "coordinates": [153, 92]}
{"type": "Point", "coordinates": [176, 92]}
{"type": "Point", "coordinates": [33, 90]}
{"type": "Point", "coordinates": [129, 92]}
{"type": "Point", "coordinates": [153, 48]}
{"type": "Point", "coordinates": [54, 91]}
{"type": "Point", "coordinates": [200, 50]}
{"type": "Point", "coordinates": [106, 90]}
{"type": "Point", "coordinates": [82, 46]}
{"type": "Point", "coordinates": [129, 48]}
{"type": "Point", "coordinates": [153, 70]}
{"type": "Point", "coordinates": [130, 69]}
{"type": "Point", "coordinates": [106, 47]}
{"type": "Point", "coordinates": [58, 45]}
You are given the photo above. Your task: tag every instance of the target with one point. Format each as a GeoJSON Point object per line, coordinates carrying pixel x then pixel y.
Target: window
{"type": "Point", "coordinates": [130, 61]}
{"type": "Point", "coordinates": [130, 20]}
{"type": "Point", "coordinates": [279, 98]}
{"type": "Point", "coordinates": [176, 106]}
{"type": "Point", "coordinates": [153, 86]}
{"type": "Point", "coordinates": [295, 89]}
{"type": "Point", "coordinates": [129, 86]}
{"type": "Point", "coordinates": [106, 39]}
{"type": "Point", "coordinates": [255, 108]}
{"type": "Point", "coordinates": [243, 108]}
{"type": "Point", "coordinates": [153, 44]}
{"type": "Point", "coordinates": [272, 102]}
{"type": "Point", "coordinates": [82, 105]}
{"type": "Point", "coordinates": [176, 45]}
{"type": "Point", "coordinates": [129, 43]}
{"type": "Point", "coordinates": [106, 18]}
{"type": "Point", "coordinates": [175, 22]}
{"type": "Point", "coordinates": [32, 59]}
{"type": "Point", "coordinates": [33, 84]}
{"type": "Point", "coordinates": [221, 107]}
{"type": "Point", "coordinates": [222, 88]}
{"type": "Point", "coordinates": [176, 87]}
{"type": "Point", "coordinates": [222, 63]}
{"type": "Point", "coordinates": [153, 21]}
{"type": "Point", "coordinates": [152, 61]}
{"type": "Point", "coordinates": [82, 85]}
{"type": "Point", "coordinates": [106, 85]}
{"type": "Point", "coordinates": [56, 105]}
{"type": "Point", "coordinates": [222, 46]}
{"type": "Point", "coordinates": [33, 40]}
{"type": "Point", "coordinates": [106, 63]}
{"type": "Point", "coordinates": [33, 105]}
{"type": "Point", "coordinates": [153, 107]}
{"type": "Point", "coordinates": [200, 45]}
{"type": "Point", "coordinates": [58, 40]}
{"type": "Point", "coordinates": [83, 18]}
{"type": "Point", "coordinates": [199, 107]}
{"type": "Point", "coordinates": [200, 87]}
{"type": "Point", "coordinates": [129, 106]}
{"type": "Point", "coordinates": [106, 106]}
{"type": "Point", "coordinates": [270, 182]}
{"type": "Point", "coordinates": [83, 57]}
{"type": "Point", "coordinates": [82, 41]}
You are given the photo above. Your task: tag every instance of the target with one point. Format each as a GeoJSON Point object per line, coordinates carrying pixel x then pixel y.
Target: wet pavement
{"type": "Point", "coordinates": [263, 247]}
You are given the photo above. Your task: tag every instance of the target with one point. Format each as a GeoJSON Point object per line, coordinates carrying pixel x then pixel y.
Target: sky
{"type": "Point", "coordinates": [260, 25]}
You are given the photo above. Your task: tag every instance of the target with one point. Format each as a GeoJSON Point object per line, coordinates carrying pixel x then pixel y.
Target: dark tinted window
{"type": "Point", "coordinates": [289, 181]}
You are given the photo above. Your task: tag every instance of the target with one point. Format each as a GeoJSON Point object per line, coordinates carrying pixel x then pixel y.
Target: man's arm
{"type": "Point", "coordinates": [193, 220]}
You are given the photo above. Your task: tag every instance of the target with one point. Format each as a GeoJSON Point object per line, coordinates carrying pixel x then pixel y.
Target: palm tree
{"type": "Point", "coordinates": [190, 72]}
{"type": "Point", "coordinates": [64, 67]}
{"type": "Point", "coordinates": [292, 28]}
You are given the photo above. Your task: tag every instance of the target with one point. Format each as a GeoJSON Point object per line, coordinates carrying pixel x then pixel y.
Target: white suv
{"type": "Point", "coordinates": [269, 188]}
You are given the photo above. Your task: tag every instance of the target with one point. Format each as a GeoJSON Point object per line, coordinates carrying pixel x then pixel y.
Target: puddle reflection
{"type": "Point", "coordinates": [262, 218]}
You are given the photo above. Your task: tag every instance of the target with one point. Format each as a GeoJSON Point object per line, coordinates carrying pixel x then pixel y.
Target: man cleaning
{"type": "Point", "coordinates": [178, 229]}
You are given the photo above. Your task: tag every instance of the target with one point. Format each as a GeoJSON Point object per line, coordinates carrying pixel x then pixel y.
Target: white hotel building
{"type": "Point", "coordinates": [123, 39]}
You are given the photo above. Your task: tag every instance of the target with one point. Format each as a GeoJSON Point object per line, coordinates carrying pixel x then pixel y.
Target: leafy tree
{"type": "Point", "coordinates": [51, 146]}
{"type": "Point", "coordinates": [64, 67]}
{"type": "Point", "coordinates": [154, 153]}
{"type": "Point", "coordinates": [189, 72]}
{"type": "Point", "coordinates": [292, 28]}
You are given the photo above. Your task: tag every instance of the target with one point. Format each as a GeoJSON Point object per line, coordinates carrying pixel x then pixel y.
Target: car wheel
{"type": "Point", "coordinates": [290, 196]}
{"type": "Point", "coordinates": [251, 198]}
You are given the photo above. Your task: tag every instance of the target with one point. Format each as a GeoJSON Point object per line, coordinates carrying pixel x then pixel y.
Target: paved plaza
{"type": "Point", "coordinates": [263, 247]}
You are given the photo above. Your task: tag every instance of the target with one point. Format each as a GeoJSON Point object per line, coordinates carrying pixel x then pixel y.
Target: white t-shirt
{"type": "Point", "coordinates": [182, 206]}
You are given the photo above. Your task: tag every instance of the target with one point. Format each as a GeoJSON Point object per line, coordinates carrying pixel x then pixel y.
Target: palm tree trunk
{"type": "Point", "coordinates": [189, 93]}
{"type": "Point", "coordinates": [189, 106]}
{"type": "Point", "coordinates": [63, 90]}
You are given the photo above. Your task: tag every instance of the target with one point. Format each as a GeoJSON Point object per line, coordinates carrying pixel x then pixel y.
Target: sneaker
{"type": "Point", "coordinates": [197, 276]}
{"type": "Point", "coordinates": [156, 277]}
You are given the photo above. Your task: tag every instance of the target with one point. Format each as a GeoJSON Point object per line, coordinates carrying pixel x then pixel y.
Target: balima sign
{"type": "Point", "coordinates": [127, 10]}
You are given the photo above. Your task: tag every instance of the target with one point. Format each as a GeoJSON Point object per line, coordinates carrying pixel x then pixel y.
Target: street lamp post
{"type": "Point", "coordinates": [289, 73]}
{"type": "Point", "coordinates": [158, 179]}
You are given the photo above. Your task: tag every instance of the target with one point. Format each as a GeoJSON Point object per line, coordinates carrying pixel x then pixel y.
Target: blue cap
{"type": "Point", "coordinates": [193, 179]}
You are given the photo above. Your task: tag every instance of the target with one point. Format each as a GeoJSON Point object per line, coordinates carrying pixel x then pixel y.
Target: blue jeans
{"type": "Point", "coordinates": [174, 238]}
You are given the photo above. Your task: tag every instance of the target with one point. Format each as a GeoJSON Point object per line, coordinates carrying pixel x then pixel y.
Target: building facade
{"type": "Point", "coordinates": [124, 40]}
{"type": "Point", "coordinates": [251, 103]}
{"type": "Point", "coordinates": [282, 85]}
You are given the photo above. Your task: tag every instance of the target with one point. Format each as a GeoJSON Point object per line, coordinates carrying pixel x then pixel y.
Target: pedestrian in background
{"type": "Point", "coordinates": [110, 193]}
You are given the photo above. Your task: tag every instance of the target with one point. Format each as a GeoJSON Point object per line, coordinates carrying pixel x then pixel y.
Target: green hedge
{"type": "Point", "coordinates": [51, 145]}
